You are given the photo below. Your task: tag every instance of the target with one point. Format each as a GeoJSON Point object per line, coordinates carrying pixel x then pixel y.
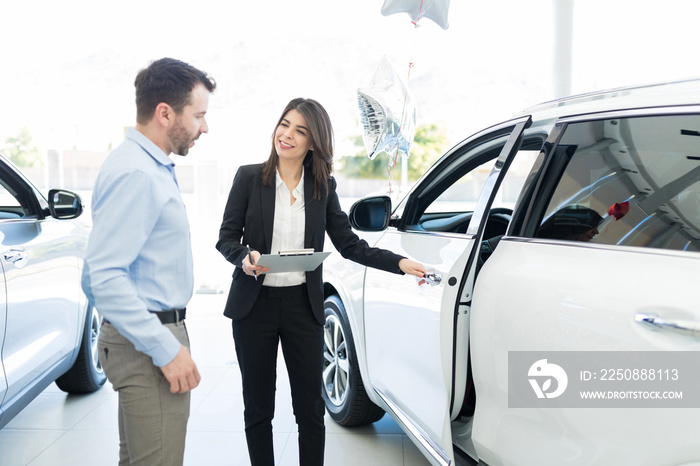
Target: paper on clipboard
{"type": "Point", "coordinates": [297, 260]}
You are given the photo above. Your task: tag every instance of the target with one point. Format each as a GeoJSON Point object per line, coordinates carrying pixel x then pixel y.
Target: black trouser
{"type": "Point", "coordinates": [281, 315]}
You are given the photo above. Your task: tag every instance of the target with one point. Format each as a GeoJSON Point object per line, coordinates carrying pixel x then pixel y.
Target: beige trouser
{"type": "Point", "coordinates": [152, 421]}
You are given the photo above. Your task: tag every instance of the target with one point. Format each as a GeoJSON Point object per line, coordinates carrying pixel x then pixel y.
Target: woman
{"type": "Point", "coordinates": [289, 202]}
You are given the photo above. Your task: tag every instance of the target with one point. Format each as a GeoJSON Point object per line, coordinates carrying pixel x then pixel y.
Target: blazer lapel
{"type": "Point", "coordinates": [312, 210]}
{"type": "Point", "coordinates": [267, 198]}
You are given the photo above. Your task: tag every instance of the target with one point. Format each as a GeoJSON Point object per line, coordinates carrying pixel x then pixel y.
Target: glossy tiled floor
{"type": "Point", "coordinates": [58, 429]}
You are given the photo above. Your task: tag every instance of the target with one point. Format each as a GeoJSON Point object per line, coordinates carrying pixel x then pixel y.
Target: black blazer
{"type": "Point", "coordinates": [248, 220]}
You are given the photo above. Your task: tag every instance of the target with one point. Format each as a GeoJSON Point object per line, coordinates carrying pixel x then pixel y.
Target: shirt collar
{"type": "Point", "coordinates": [299, 190]}
{"type": "Point", "coordinates": [149, 146]}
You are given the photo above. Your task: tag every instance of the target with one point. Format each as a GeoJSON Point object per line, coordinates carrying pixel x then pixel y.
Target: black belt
{"type": "Point", "coordinates": [169, 316]}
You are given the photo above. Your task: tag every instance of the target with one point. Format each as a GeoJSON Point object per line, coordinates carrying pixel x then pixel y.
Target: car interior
{"type": "Point", "coordinates": [628, 181]}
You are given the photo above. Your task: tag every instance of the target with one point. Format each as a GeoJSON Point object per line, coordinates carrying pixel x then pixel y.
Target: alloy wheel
{"type": "Point", "coordinates": [336, 364]}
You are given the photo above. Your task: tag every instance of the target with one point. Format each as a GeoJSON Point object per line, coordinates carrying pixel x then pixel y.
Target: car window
{"type": "Point", "coordinates": [510, 189]}
{"type": "Point", "coordinates": [508, 193]}
{"type": "Point", "coordinates": [10, 207]}
{"type": "Point", "coordinates": [445, 201]}
{"type": "Point", "coordinates": [629, 181]}
{"type": "Point", "coordinates": [456, 194]}
{"type": "Point", "coordinates": [464, 193]}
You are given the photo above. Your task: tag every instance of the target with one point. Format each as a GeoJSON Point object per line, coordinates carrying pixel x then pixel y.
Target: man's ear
{"type": "Point", "coordinates": [164, 114]}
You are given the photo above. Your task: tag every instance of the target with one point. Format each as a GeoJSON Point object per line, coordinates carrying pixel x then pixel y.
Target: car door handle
{"type": "Point", "coordinates": [432, 278]}
{"type": "Point", "coordinates": [655, 322]}
{"type": "Point", "coordinates": [16, 256]}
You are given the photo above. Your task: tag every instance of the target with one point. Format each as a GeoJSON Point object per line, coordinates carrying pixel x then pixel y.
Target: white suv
{"type": "Point", "coordinates": [560, 324]}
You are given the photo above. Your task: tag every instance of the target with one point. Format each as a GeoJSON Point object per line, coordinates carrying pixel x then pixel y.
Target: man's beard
{"type": "Point", "coordinates": [180, 139]}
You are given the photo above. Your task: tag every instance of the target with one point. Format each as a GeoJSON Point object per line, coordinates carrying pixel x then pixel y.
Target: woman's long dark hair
{"type": "Point", "coordinates": [320, 159]}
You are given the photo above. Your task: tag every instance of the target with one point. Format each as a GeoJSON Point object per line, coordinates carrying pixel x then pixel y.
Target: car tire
{"type": "Point", "coordinates": [86, 375]}
{"type": "Point", "coordinates": [343, 391]}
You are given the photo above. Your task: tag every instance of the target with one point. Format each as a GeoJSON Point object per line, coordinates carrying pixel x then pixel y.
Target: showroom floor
{"type": "Point", "coordinates": [57, 429]}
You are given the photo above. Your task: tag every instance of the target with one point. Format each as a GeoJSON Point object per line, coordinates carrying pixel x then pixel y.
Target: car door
{"type": "Point", "coordinates": [3, 319]}
{"type": "Point", "coordinates": [42, 278]}
{"type": "Point", "coordinates": [598, 268]}
{"type": "Point", "coordinates": [414, 328]}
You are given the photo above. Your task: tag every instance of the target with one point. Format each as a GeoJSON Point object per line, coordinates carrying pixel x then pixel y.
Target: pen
{"type": "Point", "coordinates": [250, 258]}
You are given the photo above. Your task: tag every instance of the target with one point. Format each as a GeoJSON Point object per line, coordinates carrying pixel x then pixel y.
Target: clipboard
{"type": "Point", "coordinates": [296, 260]}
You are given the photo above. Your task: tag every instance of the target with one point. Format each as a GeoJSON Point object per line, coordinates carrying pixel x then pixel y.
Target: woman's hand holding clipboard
{"type": "Point", "coordinates": [297, 260]}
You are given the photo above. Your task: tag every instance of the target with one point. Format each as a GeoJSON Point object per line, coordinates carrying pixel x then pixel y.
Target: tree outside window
{"type": "Point", "coordinates": [21, 151]}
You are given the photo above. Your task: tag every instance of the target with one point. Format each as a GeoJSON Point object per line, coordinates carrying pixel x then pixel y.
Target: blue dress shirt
{"type": "Point", "coordinates": [139, 256]}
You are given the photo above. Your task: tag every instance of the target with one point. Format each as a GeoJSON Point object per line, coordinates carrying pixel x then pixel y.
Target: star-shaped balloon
{"type": "Point", "coordinates": [388, 114]}
{"type": "Point", "coordinates": [417, 9]}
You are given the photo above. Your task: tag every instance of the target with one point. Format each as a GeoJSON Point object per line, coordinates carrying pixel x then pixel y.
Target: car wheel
{"type": "Point", "coordinates": [344, 393]}
{"type": "Point", "coordinates": [86, 375]}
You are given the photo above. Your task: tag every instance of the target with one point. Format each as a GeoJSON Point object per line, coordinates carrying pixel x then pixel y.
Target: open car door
{"type": "Point", "coordinates": [417, 330]}
{"type": "Point", "coordinates": [3, 318]}
{"type": "Point", "coordinates": [594, 277]}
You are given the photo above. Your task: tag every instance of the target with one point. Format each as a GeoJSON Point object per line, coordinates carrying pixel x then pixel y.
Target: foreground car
{"type": "Point", "coordinates": [48, 332]}
{"type": "Point", "coordinates": [571, 232]}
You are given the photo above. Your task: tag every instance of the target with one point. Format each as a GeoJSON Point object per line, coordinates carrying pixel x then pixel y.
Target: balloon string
{"type": "Point", "coordinates": [420, 12]}
{"type": "Point", "coordinates": [411, 64]}
{"type": "Point", "coordinates": [389, 175]}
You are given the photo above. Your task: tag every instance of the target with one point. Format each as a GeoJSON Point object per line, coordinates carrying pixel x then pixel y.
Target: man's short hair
{"type": "Point", "coordinates": [167, 81]}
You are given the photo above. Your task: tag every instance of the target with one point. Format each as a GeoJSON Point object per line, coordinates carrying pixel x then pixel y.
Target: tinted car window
{"type": "Point", "coordinates": [629, 181]}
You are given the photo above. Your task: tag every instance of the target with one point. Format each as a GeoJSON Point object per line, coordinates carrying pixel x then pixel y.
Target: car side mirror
{"type": "Point", "coordinates": [371, 213]}
{"type": "Point", "coordinates": [64, 204]}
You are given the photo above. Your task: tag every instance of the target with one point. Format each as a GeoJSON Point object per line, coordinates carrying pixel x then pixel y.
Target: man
{"type": "Point", "coordinates": [138, 265]}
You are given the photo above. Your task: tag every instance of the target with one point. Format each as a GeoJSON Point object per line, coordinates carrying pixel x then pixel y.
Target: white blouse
{"type": "Point", "coordinates": [288, 230]}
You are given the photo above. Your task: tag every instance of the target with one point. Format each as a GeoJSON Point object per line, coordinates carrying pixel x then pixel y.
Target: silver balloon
{"type": "Point", "coordinates": [417, 9]}
{"type": "Point", "coordinates": [388, 114]}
